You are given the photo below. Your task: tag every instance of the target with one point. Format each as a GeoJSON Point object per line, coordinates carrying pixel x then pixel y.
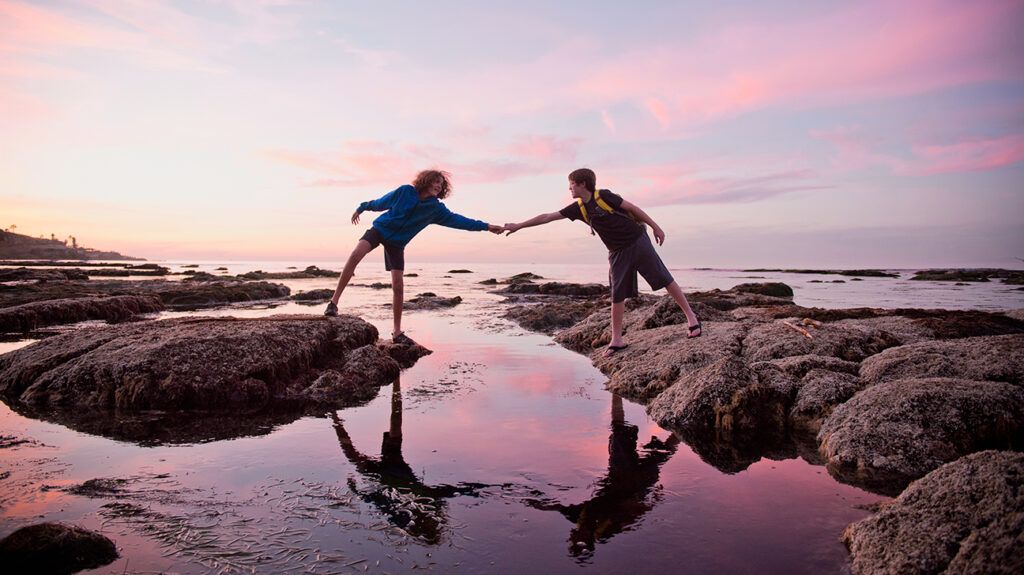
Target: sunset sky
{"type": "Point", "coordinates": [870, 133]}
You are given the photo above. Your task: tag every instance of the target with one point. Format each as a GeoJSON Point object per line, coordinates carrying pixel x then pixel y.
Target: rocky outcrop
{"type": "Point", "coordinates": [429, 301]}
{"type": "Point", "coordinates": [209, 294]}
{"type": "Point", "coordinates": [765, 368]}
{"type": "Point", "coordinates": [846, 339]}
{"type": "Point", "coordinates": [200, 364]}
{"type": "Point", "coordinates": [998, 358]}
{"type": "Point", "coordinates": [26, 274]}
{"type": "Point", "coordinates": [30, 316]}
{"type": "Point", "coordinates": [406, 354]}
{"type": "Point", "coordinates": [853, 273]}
{"type": "Point", "coordinates": [723, 398]}
{"type": "Point", "coordinates": [313, 296]}
{"type": "Point", "coordinates": [970, 275]}
{"type": "Point", "coordinates": [187, 295]}
{"type": "Point", "coordinates": [820, 391]}
{"type": "Point", "coordinates": [556, 288]}
{"type": "Point", "coordinates": [964, 517]}
{"type": "Point", "coordinates": [55, 548]}
{"type": "Point", "coordinates": [773, 289]}
{"type": "Point", "coordinates": [897, 431]}
{"type": "Point", "coordinates": [308, 273]}
{"type": "Point", "coordinates": [551, 317]}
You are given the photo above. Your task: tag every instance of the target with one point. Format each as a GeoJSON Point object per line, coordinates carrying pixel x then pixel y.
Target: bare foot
{"type": "Point", "coordinates": [613, 349]}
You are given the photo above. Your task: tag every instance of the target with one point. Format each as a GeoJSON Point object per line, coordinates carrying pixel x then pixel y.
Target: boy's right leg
{"type": "Point", "coordinates": [362, 248]}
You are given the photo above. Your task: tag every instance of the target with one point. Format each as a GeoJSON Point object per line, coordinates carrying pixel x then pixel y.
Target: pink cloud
{"type": "Point", "coordinates": [969, 156]}
{"type": "Point", "coordinates": [380, 163]}
{"type": "Point", "coordinates": [864, 51]}
{"type": "Point", "coordinates": [545, 148]}
{"type": "Point", "coordinates": [672, 184]}
{"type": "Point", "coordinates": [858, 150]}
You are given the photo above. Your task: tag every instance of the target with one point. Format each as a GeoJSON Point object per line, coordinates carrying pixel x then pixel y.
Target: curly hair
{"type": "Point", "coordinates": [426, 178]}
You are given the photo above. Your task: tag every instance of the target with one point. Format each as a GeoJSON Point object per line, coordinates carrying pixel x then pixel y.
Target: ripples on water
{"type": "Point", "coordinates": [500, 452]}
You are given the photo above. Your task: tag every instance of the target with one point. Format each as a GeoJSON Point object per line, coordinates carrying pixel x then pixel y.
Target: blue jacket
{"type": "Point", "coordinates": [405, 215]}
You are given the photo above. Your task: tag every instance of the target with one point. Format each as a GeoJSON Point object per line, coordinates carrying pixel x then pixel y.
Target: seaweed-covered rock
{"type": "Point", "coordinates": [556, 288]}
{"type": "Point", "coordinates": [55, 548]}
{"type": "Point", "coordinates": [897, 431]}
{"type": "Point", "coordinates": [849, 340]}
{"type": "Point", "coordinates": [773, 289]}
{"type": "Point", "coordinates": [180, 294]}
{"type": "Point", "coordinates": [194, 364]}
{"type": "Point", "coordinates": [313, 296]}
{"type": "Point", "coordinates": [30, 316]}
{"type": "Point", "coordinates": [429, 301]}
{"type": "Point", "coordinates": [724, 398]}
{"type": "Point", "coordinates": [406, 354]}
{"type": "Point", "coordinates": [997, 358]}
{"type": "Point", "coordinates": [964, 517]}
{"type": "Point", "coordinates": [820, 392]}
{"type": "Point", "coordinates": [27, 274]}
{"type": "Point", "coordinates": [549, 317]}
{"type": "Point", "coordinates": [308, 273]}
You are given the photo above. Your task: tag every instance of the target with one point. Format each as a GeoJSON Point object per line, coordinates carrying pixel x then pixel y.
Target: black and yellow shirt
{"type": "Point", "coordinates": [617, 230]}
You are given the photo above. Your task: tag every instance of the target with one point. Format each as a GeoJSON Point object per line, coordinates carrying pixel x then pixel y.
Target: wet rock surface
{"type": "Point", "coordinates": [308, 273]}
{"type": "Point", "coordinates": [767, 367]}
{"type": "Point", "coordinates": [30, 316]}
{"type": "Point", "coordinates": [430, 301]}
{"type": "Point", "coordinates": [184, 295]}
{"type": "Point", "coordinates": [556, 288]}
{"type": "Point", "coordinates": [970, 275]}
{"type": "Point", "coordinates": [896, 431]}
{"type": "Point", "coordinates": [964, 517]}
{"type": "Point", "coordinates": [27, 274]}
{"type": "Point", "coordinates": [199, 364]}
{"type": "Point", "coordinates": [996, 358]}
{"type": "Point", "coordinates": [314, 296]}
{"type": "Point", "coordinates": [55, 548]}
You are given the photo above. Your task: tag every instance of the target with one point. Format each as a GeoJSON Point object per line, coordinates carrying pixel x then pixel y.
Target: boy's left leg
{"type": "Point", "coordinates": [677, 294]}
{"type": "Point", "coordinates": [650, 266]}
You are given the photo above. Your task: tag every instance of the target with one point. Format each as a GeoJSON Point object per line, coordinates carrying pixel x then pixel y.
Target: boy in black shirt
{"type": "Point", "coordinates": [619, 224]}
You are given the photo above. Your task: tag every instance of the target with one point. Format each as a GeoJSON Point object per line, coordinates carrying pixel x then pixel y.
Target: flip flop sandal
{"type": "Point", "coordinates": [695, 328]}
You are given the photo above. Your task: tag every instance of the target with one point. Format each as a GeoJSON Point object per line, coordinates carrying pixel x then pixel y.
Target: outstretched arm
{"type": "Point", "coordinates": [659, 234]}
{"type": "Point", "coordinates": [534, 221]}
{"type": "Point", "coordinates": [450, 219]}
{"type": "Point", "coordinates": [379, 205]}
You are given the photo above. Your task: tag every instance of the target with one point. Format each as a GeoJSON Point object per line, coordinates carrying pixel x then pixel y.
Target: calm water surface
{"type": "Point", "coordinates": [500, 452]}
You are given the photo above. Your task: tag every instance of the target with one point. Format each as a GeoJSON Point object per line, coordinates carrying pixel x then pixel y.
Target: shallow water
{"type": "Point", "coordinates": [500, 452]}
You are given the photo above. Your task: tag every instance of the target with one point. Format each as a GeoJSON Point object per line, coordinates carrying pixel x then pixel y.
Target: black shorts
{"type": "Point", "coordinates": [394, 256]}
{"type": "Point", "coordinates": [624, 264]}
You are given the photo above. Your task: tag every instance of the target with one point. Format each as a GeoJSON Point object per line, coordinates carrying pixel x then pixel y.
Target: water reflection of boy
{"type": "Point", "coordinates": [397, 484]}
{"type": "Point", "coordinates": [622, 497]}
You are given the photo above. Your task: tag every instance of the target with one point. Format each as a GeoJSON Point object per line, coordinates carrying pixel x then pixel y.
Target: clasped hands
{"type": "Point", "coordinates": [502, 229]}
